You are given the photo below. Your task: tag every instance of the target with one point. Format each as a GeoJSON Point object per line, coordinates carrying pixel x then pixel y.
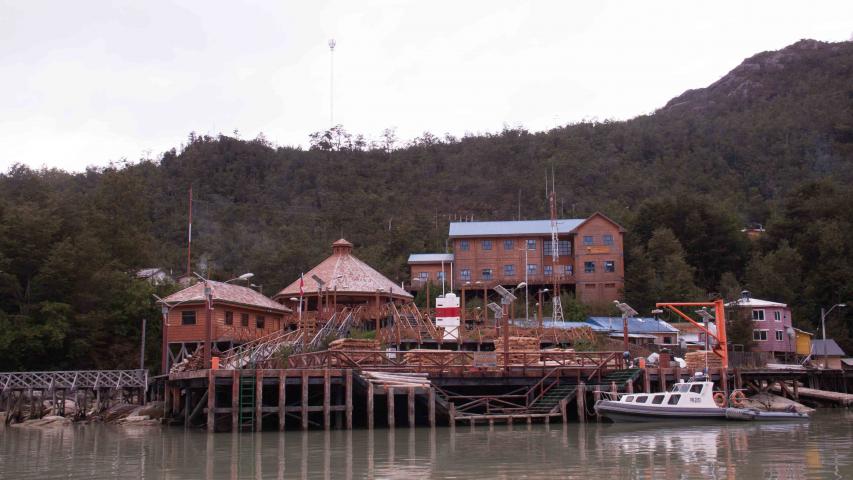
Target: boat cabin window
{"type": "Point", "coordinates": [697, 388]}
{"type": "Point", "coordinates": [629, 398]}
{"type": "Point", "coordinates": [673, 399]}
{"type": "Point", "coordinates": [657, 399]}
{"type": "Point", "coordinates": [642, 399]}
{"type": "Point", "coordinates": [681, 387]}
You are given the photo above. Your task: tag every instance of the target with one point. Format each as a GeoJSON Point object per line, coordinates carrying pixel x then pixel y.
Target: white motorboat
{"type": "Point", "coordinates": [691, 400]}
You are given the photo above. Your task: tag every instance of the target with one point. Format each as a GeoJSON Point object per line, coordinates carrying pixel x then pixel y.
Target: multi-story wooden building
{"type": "Point", "coordinates": [237, 315]}
{"type": "Point", "coordinates": [590, 257]}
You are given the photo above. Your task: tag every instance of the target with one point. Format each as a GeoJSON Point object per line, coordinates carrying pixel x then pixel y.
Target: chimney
{"type": "Point", "coordinates": [744, 295]}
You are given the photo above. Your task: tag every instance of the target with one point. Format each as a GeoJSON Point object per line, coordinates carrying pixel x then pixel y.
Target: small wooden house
{"type": "Point", "coordinates": [235, 314]}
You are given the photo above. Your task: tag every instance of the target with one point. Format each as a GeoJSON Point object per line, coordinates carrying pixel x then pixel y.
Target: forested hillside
{"type": "Point", "coordinates": [769, 143]}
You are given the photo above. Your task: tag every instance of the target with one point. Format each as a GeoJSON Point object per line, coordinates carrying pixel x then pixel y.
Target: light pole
{"type": "Point", "coordinates": [245, 276]}
{"type": "Point", "coordinates": [823, 314]}
{"type": "Point", "coordinates": [627, 312]}
{"type": "Point", "coordinates": [541, 318]}
{"type": "Point", "coordinates": [332, 44]}
{"type": "Point", "coordinates": [165, 309]}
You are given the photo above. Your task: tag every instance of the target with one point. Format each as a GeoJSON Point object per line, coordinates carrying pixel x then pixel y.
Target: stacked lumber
{"type": "Point", "coordinates": [696, 360]}
{"type": "Point", "coordinates": [351, 345]}
{"type": "Point", "coordinates": [354, 344]}
{"type": "Point", "coordinates": [194, 361]}
{"type": "Point", "coordinates": [389, 379]}
{"type": "Point", "coordinates": [516, 346]}
{"type": "Point", "coordinates": [432, 357]}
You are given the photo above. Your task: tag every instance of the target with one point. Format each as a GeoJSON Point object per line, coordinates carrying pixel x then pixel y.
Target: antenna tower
{"type": "Point", "coordinates": [555, 254]}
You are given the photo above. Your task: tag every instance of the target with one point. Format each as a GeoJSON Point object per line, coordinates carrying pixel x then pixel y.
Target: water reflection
{"type": "Point", "coordinates": [819, 449]}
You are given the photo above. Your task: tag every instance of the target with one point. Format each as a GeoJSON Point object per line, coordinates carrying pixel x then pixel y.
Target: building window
{"type": "Point", "coordinates": [757, 315]}
{"type": "Point", "coordinates": [466, 274]}
{"type": "Point", "coordinates": [244, 320]}
{"type": "Point", "coordinates": [487, 244]}
{"type": "Point", "coordinates": [188, 317]}
{"type": "Point", "coordinates": [777, 316]}
{"type": "Point", "coordinates": [609, 285]}
{"type": "Point", "coordinates": [779, 335]}
{"type": "Point", "coordinates": [229, 318]}
{"type": "Point", "coordinates": [759, 335]}
{"type": "Point", "coordinates": [439, 276]}
{"type": "Point", "coordinates": [424, 276]}
{"type": "Point", "coordinates": [570, 269]}
{"type": "Point", "coordinates": [589, 267]}
{"type": "Point", "coordinates": [609, 266]}
{"type": "Point", "coordinates": [547, 270]}
{"type": "Point", "coordinates": [587, 240]}
{"type": "Point", "coordinates": [509, 270]}
{"type": "Point", "coordinates": [509, 245]}
{"type": "Point", "coordinates": [546, 248]}
{"type": "Point", "coordinates": [531, 244]}
{"type": "Point", "coordinates": [464, 245]}
{"type": "Point", "coordinates": [260, 321]}
{"type": "Point", "coordinates": [607, 239]}
{"type": "Point", "coordinates": [590, 286]}
{"type": "Point", "coordinates": [487, 274]}
{"type": "Point", "coordinates": [666, 340]}
{"type": "Point", "coordinates": [565, 248]}
{"type": "Point", "coordinates": [532, 268]}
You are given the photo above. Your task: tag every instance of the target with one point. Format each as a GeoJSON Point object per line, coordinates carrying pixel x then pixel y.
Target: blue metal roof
{"type": "Point", "coordinates": [430, 257]}
{"type": "Point", "coordinates": [635, 325]}
{"type": "Point", "coordinates": [832, 348]}
{"type": "Point", "coordinates": [519, 227]}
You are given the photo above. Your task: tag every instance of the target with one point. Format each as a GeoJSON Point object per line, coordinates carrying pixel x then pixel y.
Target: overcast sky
{"type": "Point", "coordinates": [86, 82]}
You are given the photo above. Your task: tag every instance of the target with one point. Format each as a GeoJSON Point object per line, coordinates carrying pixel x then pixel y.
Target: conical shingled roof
{"type": "Point", "coordinates": [343, 272]}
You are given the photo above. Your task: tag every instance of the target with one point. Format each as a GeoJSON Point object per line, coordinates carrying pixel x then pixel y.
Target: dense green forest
{"type": "Point", "coordinates": [770, 143]}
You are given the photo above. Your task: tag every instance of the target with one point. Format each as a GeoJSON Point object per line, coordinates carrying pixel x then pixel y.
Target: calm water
{"type": "Point", "coordinates": [822, 448]}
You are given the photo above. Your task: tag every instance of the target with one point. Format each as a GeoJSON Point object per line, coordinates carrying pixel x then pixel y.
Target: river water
{"type": "Point", "coordinates": [822, 448]}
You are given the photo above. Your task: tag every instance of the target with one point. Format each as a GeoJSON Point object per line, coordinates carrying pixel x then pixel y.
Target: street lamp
{"type": "Point", "coordinates": [627, 312]}
{"type": "Point", "coordinates": [823, 314]}
{"type": "Point", "coordinates": [539, 305]}
{"type": "Point", "coordinates": [244, 276]}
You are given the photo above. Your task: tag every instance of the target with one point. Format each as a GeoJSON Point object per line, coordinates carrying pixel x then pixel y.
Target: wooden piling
{"type": "Point", "coordinates": [451, 415]}
{"type": "Point", "coordinates": [282, 399]}
{"type": "Point", "coordinates": [304, 400]}
{"type": "Point", "coordinates": [796, 387]}
{"type": "Point", "coordinates": [613, 388]}
{"type": "Point", "coordinates": [390, 392]}
{"type": "Point", "coordinates": [629, 386]}
{"type": "Point", "coordinates": [662, 379]}
{"type": "Point", "coordinates": [259, 400]}
{"type": "Point", "coordinates": [327, 392]}
{"type": "Point", "coordinates": [411, 407]}
{"type": "Point", "coordinates": [211, 402]}
{"type": "Point", "coordinates": [431, 412]}
{"type": "Point", "coordinates": [348, 399]}
{"type": "Point", "coordinates": [596, 396]}
{"type": "Point", "coordinates": [563, 410]}
{"type": "Point", "coordinates": [647, 381]}
{"type": "Point", "coordinates": [235, 400]}
{"type": "Point", "coordinates": [581, 400]}
{"type": "Point", "coordinates": [370, 418]}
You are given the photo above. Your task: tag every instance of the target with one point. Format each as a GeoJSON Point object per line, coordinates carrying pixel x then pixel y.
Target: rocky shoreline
{"type": "Point", "coordinates": [149, 414]}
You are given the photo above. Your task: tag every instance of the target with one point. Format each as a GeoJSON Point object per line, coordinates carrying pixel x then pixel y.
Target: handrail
{"type": "Point", "coordinates": [541, 386]}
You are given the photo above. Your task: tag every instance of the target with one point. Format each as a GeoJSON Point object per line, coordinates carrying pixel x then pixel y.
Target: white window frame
{"type": "Point", "coordinates": [423, 276]}
{"type": "Point", "coordinates": [532, 268]}
{"type": "Point", "coordinates": [531, 244]}
{"type": "Point", "coordinates": [547, 270]}
{"type": "Point", "coordinates": [465, 274]}
{"type": "Point", "coordinates": [780, 337]}
{"type": "Point", "coordinates": [754, 311]}
{"type": "Point", "coordinates": [777, 316]}
{"type": "Point", "coordinates": [759, 339]}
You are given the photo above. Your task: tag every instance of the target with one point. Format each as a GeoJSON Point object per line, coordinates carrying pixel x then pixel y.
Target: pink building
{"type": "Point", "coordinates": [771, 325]}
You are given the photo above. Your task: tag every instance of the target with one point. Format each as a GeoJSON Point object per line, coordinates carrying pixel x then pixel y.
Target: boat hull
{"type": "Point", "coordinates": [621, 412]}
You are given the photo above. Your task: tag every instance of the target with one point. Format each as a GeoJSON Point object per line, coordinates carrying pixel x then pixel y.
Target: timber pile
{"type": "Point", "coordinates": [355, 344]}
{"type": "Point", "coordinates": [195, 361]}
{"type": "Point", "coordinates": [432, 357]}
{"type": "Point", "coordinates": [696, 360]}
{"type": "Point", "coordinates": [517, 345]}
{"type": "Point", "coordinates": [387, 379]}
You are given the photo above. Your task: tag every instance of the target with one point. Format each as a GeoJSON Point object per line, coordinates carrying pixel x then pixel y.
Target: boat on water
{"type": "Point", "coordinates": [693, 400]}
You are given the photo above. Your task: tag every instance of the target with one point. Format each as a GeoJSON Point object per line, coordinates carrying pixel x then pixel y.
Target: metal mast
{"type": "Point", "coordinates": [332, 44]}
{"type": "Point", "coordinates": [555, 255]}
